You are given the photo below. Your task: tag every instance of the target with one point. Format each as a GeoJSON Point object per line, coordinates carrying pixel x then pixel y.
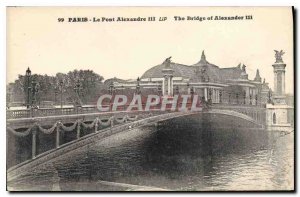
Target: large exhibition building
{"type": "Point", "coordinates": [209, 81]}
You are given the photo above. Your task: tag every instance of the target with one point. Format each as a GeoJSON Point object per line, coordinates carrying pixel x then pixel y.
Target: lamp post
{"type": "Point", "coordinates": [28, 88]}
{"type": "Point", "coordinates": [77, 89]}
{"type": "Point", "coordinates": [138, 87]}
{"type": "Point", "coordinates": [177, 90]}
{"type": "Point", "coordinates": [159, 90]}
{"type": "Point", "coordinates": [61, 83]}
{"type": "Point", "coordinates": [34, 91]}
{"type": "Point", "coordinates": [111, 88]}
{"type": "Point", "coordinates": [256, 99]}
{"type": "Point", "coordinates": [55, 95]}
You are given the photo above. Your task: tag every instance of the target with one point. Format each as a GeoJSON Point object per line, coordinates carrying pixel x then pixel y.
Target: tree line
{"type": "Point", "coordinates": [85, 85]}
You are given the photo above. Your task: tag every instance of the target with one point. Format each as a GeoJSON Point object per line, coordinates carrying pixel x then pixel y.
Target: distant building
{"type": "Point", "coordinates": [215, 84]}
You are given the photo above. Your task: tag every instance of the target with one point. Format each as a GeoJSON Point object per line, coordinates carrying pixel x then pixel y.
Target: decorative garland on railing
{"type": "Point", "coordinates": [121, 120]}
{"type": "Point", "coordinates": [106, 123]}
{"type": "Point", "coordinates": [59, 124]}
{"type": "Point", "coordinates": [47, 131]}
{"type": "Point", "coordinates": [70, 128]}
{"type": "Point", "coordinates": [132, 118]}
{"type": "Point", "coordinates": [89, 125]}
{"type": "Point", "coordinates": [20, 134]}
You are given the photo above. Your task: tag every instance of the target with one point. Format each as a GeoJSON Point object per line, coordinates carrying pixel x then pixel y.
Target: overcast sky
{"type": "Point", "coordinates": [126, 50]}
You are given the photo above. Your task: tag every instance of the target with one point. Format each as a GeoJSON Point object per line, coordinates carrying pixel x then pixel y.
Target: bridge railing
{"type": "Point", "coordinates": [58, 130]}
{"type": "Point", "coordinates": [255, 112]}
{"type": "Point", "coordinates": [42, 112]}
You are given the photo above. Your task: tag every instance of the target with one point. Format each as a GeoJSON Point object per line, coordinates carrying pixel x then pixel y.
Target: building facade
{"type": "Point", "coordinates": [210, 82]}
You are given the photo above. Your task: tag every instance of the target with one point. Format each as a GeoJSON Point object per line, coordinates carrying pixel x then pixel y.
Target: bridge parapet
{"type": "Point", "coordinates": [72, 123]}
{"type": "Point", "coordinates": [111, 127]}
{"type": "Point", "coordinates": [43, 112]}
{"type": "Point", "coordinates": [257, 113]}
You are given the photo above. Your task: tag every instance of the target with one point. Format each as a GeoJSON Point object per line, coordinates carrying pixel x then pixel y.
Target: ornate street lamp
{"type": "Point", "coordinates": [192, 91]}
{"type": "Point", "coordinates": [177, 90]}
{"type": "Point", "coordinates": [138, 87]}
{"type": "Point", "coordinates": [256, 99]}
{"type": "Point", "coordinates": [77, 87]}
{"type": "Point", "coordinates": [61, 83]}
{"type": "Point", "coordinates": [28, 88]}
{"type": "Point", "coordinates": [55, 94]}
{"type": "Point", "coordinates": [159, 90]}
{"type": "Point", "coordinates": [34, 90]}
{"type": "Point", "coordinates": [220, 96]}
{"type": "Point", "coordinates": [111, 88]}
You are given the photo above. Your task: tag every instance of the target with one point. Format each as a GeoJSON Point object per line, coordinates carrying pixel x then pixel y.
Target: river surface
{"type": "Point", "coordinates": [172, 159]}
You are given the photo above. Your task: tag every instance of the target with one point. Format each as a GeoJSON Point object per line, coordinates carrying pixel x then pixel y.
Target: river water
{"type": "Point", "coordinates": [172, 158]}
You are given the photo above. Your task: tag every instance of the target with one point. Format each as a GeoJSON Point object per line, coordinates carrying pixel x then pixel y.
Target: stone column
{"type": "Point", "coordinates": [205, 94]}
{"type": "Point", "coordinates": [78, 130]}
{"type": "Point", "coordinates": [57, 136]}
{"type": "Point", "coordinates": [33, 143]}
{"type": "Point", "coordinates": [275, 82]}
{"type": "Point", "coordinates": [169, 86]}
{"type": "Point", "coordinates": [283, 83]}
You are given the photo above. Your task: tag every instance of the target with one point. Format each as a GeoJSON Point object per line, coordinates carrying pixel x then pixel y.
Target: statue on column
{"type": "Point", "coordinates": [167, 62]}
{"type": "Point", "coordinates": [278, 56]}
{"type": "Point", "coordinates": [244, 68]}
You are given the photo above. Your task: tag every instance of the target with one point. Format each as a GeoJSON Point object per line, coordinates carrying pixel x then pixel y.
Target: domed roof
{"type": "Point", "coordinates": [202, 71]}
{"type": "Point", "coordinates": [180, 70]}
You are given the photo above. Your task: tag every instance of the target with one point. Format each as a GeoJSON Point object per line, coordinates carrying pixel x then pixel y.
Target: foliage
{"type": "Point", "coordinates": [86, 82]}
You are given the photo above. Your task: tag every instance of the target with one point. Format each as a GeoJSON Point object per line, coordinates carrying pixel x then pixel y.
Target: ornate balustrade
{"type": "Point", "coordinates": [58, 128]}
{"type": "Point", "coordinates": [255, 112]}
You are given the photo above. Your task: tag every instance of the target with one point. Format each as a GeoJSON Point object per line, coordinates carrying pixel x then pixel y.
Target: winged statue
{"type": "Point", "coordinates": [278, 56]}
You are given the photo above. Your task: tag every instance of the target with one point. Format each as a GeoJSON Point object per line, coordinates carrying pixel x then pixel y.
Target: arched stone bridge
{"type": "Point", "coordinates": [102, 125]}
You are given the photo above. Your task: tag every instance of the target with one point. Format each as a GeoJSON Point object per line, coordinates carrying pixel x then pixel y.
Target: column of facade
{"type": "Point", "coordinates": [275, 82]}
{"type": "Point", "coordinates": [33, 145]}
{"type": "Point", "coordinates": [283, 83]}
{"type": "Point", "coordinates": [205, 94]}
{"type": "Point", "coordinates": [171, 86]}
{"type": "Point", "coordinates": [214, 93]}
{"type": "Point", "coordinates": [217, 96]}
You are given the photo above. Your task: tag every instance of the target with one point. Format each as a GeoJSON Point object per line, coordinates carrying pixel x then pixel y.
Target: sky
{"type": "Point", "coordinates": [126, 50]}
